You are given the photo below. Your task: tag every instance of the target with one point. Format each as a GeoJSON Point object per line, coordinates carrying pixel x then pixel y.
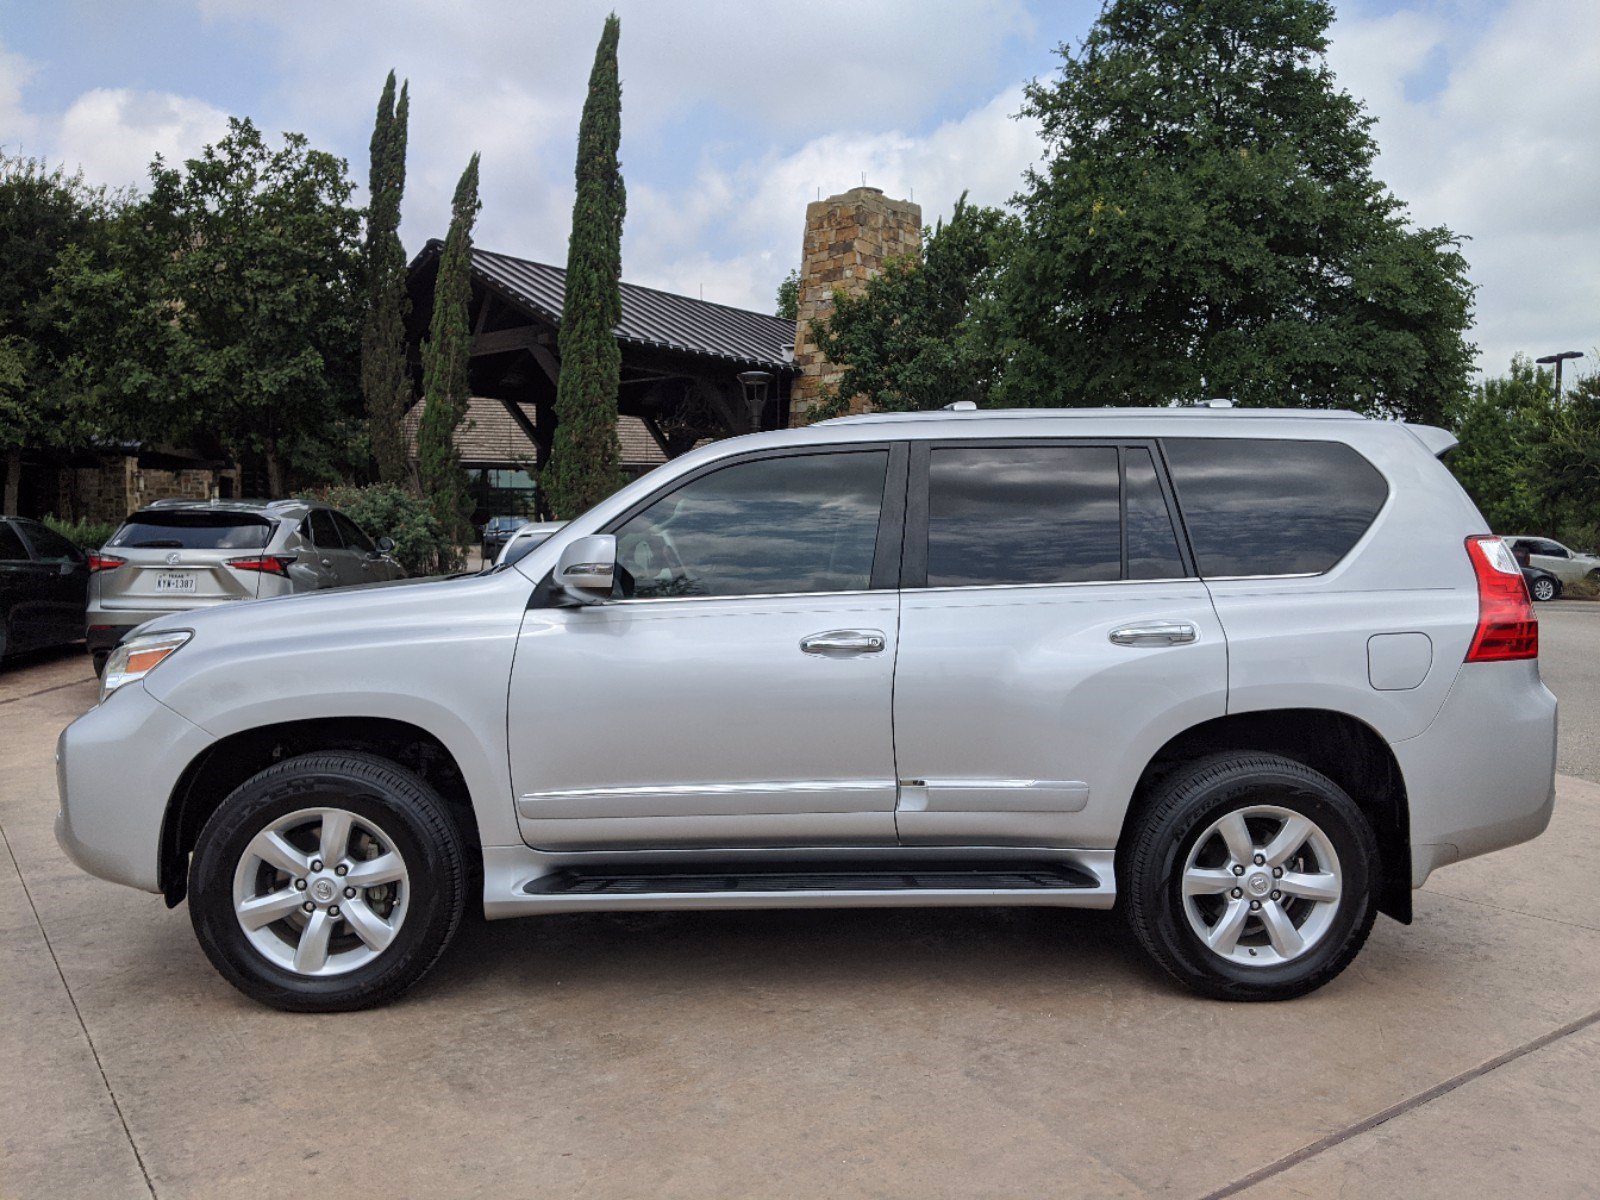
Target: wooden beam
{"type": "Point", "coordinates": [543, 356]}
{"type": "Point", "coordinates": [521, 418]}
{"type": "Point", "coordinates": [503, 341]}
{"type": "Point", "coordinates": [654, 430]}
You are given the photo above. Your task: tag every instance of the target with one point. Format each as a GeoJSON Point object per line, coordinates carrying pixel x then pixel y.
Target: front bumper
{"type": "Point", "coordinates": [1482, 776]}
{"type": "Point", "coordinates": [116, 769]}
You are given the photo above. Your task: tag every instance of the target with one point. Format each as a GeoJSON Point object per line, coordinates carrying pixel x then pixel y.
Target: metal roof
{"type": "Point", "coordinates": [649, 317]}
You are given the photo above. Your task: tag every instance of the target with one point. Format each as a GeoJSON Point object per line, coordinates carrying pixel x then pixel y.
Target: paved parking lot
{"type": "Point", "coordinates": [895, 1053]}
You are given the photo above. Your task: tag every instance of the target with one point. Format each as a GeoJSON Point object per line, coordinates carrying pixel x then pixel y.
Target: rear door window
{"type": "Point", "coordinates": [11, 547]}
{"type": "Point", "coordinates": [180, 530]}
{"type": "Point", "coordinates": [352, 535]}
{"type": "Point", "coordinates": [1271, 506]}
{"type": "Point", "coordinates": [323, 531]}
{"type": "Point", "coordinates": [50, 545]}
{"type": "Point", "coordinates": [1010, 515]}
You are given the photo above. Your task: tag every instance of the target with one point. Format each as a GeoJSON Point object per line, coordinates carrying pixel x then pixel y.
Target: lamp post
{"type": "Point", "coordinates": [1558, 359]}
{"type": "Point", "coordinates": [755, 384]}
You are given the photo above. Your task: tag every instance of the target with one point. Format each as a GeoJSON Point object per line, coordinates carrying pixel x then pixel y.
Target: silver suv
{"type": "Point", "coordinates": [178, 555]}
{"type": "Point", "coordinates": [1248, 677]}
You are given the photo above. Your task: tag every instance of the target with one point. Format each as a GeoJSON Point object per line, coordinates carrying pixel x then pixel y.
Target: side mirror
{"type": "Point", "coordinates": [587, 567]}
{"type": "Point", "coordinates": [385, 545]}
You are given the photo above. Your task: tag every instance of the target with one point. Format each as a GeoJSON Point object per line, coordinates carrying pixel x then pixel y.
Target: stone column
{"type": "Point", "coordinates": [848, 238]}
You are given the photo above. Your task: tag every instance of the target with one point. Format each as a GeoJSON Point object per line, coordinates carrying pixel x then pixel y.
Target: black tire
{"type": "Point", "coordinates": [1183, 808]}
{"type": "Point", "coordinates": [404, 807]}
{"type": "Point", "coordinates": [100, 657]}
{"type": "Point", "coordinates": [1544, 588]}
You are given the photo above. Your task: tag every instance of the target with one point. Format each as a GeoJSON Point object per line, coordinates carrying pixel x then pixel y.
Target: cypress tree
{"type": "Point", "coordinates": [584, 464]}
{"type": "Point", "coordinates": [445, 360]}
{"type": "Point", "coordinates": [385, 380]}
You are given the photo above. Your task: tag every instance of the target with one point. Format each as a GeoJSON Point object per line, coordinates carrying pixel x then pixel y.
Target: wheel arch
{"type": "Point", "coordinates": [1338, 745]}
{"type": "Point", "coordinates": [225, 764]}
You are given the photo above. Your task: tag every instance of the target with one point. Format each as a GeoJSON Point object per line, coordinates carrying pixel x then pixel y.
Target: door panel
{"type": "Point", "coordinates": [1051, 640]}
{"type": "Point", "coordinates": [1019, 721]}
{"type": "Point", "coordinates": [703, 723]}
{"type": "Point", "coordinates": [738, 689]}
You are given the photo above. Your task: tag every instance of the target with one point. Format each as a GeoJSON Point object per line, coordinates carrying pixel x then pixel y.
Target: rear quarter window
{"type": "Point", "coordinates": [1270, 506]}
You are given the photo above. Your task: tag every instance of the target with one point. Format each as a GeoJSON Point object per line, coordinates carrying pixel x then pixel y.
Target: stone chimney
{"type": "Point", "coordinates": [848, 237]}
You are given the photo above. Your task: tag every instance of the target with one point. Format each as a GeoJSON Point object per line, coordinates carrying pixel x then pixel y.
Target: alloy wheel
{"type": "Point", "coordinates": [1261, 885]}
{"type": "Point", "coordinates": [321, 891]}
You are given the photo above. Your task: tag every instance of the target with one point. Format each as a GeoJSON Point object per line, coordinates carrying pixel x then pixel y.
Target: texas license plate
{"type": "Point", "coordinates": [175, 581]}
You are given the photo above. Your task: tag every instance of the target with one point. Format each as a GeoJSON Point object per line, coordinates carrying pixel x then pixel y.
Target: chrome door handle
{"type": "Point", "coordinates": [1157, 633]}
{"type": "Point", "coordinates": [845, 641]}
{"type": "Point", "coordinates": [327, 562]}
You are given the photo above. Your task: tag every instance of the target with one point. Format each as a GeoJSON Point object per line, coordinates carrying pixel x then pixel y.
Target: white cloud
{"type": "Point", "coordinates": [18, 127]}
{"type": "Point", "coordinates": [113, 133]}
{"type": "Point", "coordinates": [736, 230]}
{"type": "Point", "coordinates": [1502, 150]}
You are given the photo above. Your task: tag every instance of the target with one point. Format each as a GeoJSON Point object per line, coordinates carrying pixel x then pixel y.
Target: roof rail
{"type": "Point", "coordinates": [956, 413]}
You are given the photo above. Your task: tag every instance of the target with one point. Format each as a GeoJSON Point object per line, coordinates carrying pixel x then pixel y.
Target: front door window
{"type": "Point", "coordinates": [770, 526]}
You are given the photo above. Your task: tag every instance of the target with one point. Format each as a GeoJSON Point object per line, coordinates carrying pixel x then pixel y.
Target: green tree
{"type": "Point", "coordinates": [385, 376]}
{"type": "Point", "coordinates": [1207, 223]}
{"type": "Point", "coordinates": [922, 332]}
{"type": "Point", "coordinates": [788, 301]}
{"type": "Point", "coordinates": [46, 217]}
{"type": "Point", "coordinates": [227, 311]}
{"type": "Point", "coordinates": [446, 358]}
{"type": "Point", "coordinates": [1502, 424]}
{"type": "Point", "coordinates": [584, 463]}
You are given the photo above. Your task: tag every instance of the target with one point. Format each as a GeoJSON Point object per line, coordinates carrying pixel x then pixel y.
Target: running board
{"type": "Point", "coordinates": [519, 882]}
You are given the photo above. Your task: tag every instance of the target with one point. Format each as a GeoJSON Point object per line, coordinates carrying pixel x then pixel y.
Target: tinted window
{"type": "Point", "coordinates": [1152, 540]}
{"type": "Point", "coordinates": [351, 532]}
{"type": "Point", "coordinates": [1023, 514]}
{"type": "Point", "coordinates": [50, 545]}
{"type": "Point", "coordinates": [180, 530]}
{"type": "Point", "coordinates": [803, 524]}
{"type": "Point", "coordinates": [1272, 507]}
{"type": "Point", "coordinates": [11, 547]}
{"type": "Point", "coordinates": [323, 531]}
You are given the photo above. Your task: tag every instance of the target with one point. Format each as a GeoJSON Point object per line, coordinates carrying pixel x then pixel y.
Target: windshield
{"type": "Point", "coordinates": [179, 530]}
{"type": "Point", "coordinates": [519, 549]}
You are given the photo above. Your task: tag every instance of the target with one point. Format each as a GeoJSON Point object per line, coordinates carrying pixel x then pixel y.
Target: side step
{"type": "Point", "coordinates": [1081, 879]}
{"type": "Point", "coordinates": [813, 878]}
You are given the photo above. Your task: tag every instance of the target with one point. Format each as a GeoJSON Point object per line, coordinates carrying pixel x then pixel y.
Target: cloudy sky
{"type": "Point", "coordinates": [737, 112]}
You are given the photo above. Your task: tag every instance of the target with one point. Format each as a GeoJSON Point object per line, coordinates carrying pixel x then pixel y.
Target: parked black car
{"type": "Point", "coordinates": [1542, 584]}
{"type": "Point", "coordinates": [497, 532]}
{"type": "Point", "coordinates": [44, 587]}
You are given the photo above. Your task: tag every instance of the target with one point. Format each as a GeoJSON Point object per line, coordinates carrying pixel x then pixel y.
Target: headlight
{"type": "Point", "coordinates": [137, 657]}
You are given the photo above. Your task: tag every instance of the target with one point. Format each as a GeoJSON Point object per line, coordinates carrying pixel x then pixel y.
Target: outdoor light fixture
{"type": "Point", "coordinates": [755, 384]}
{"type": "Point", "coordinates": [1558, 359]}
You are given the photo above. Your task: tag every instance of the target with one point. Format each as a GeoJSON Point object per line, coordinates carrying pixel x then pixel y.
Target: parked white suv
{"type": "Point", "coordinates": [1249, 676]}
{"type": "Point", "coordinates": [1568, 566]}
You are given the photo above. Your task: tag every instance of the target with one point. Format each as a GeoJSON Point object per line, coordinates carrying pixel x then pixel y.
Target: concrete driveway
{"type": "Point", "coordinates": [976, 1053]}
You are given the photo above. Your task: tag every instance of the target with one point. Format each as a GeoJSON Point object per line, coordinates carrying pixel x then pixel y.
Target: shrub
{"type": "Point", "coordinates": [383, 509]}
{"type": "Point", "coordinates": [85, 534]}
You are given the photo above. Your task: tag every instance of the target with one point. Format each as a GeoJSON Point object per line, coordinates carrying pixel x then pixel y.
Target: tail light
{"type": "Point", "coordinates": [104, 562]}
{"type": "Point", "coordinates": [271, 564]}
{"type": "Point", "coordinates": [1507, 628]}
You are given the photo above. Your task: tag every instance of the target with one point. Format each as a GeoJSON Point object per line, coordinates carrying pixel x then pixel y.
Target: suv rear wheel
{"type": "Point", "coordinates": [328, 882]}
{"type": "Point", "coordinates": [1251, 877]}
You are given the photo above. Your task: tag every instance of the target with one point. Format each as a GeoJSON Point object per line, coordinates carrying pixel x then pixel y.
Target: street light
{"type": "Point", "coordinates": [1558, 359]}
{"type": "Point", "coordinates": [755, 385]}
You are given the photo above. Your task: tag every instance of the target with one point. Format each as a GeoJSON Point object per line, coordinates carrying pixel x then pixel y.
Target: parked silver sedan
{"type": "Point", "coordinates": [178, 554]}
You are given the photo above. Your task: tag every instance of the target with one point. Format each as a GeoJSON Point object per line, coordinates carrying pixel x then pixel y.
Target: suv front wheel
{"type": "Point", "coordinates": [1251, 877]}
{"type": "Point", "coordinates": [328, 882]}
